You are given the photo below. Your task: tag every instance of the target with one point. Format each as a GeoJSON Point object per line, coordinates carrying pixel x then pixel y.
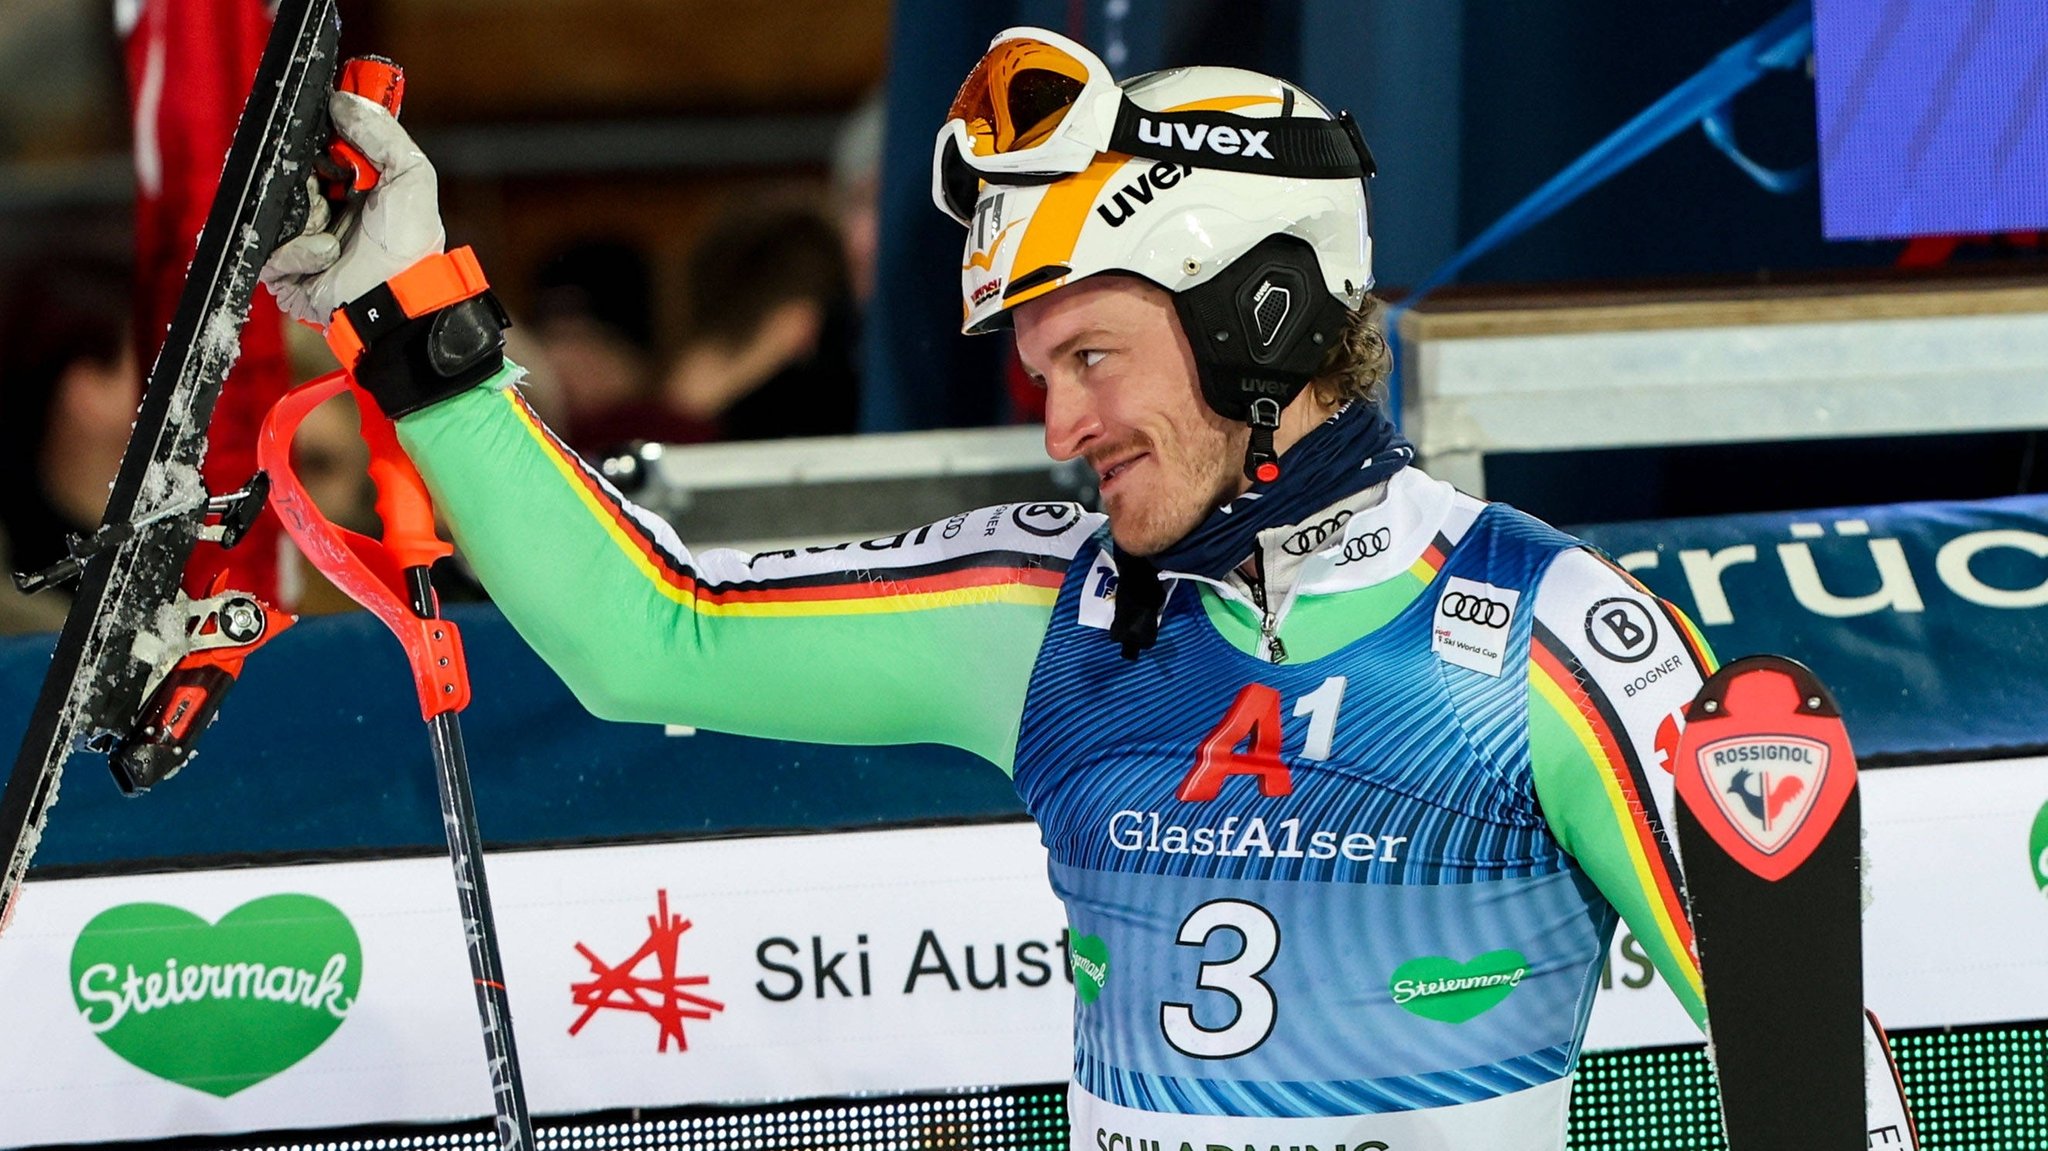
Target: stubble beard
{"type": "Point", "coordinates": [1179, 497]}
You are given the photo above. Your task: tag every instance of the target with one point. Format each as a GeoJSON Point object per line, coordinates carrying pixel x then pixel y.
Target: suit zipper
{"type": "Point", "coordinates": [1276, 652]}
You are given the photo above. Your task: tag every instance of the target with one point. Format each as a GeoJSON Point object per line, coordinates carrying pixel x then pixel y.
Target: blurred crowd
{"type": "Point", "coordinates": [774, 287]}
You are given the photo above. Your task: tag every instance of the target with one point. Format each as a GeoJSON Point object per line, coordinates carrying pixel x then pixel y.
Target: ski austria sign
{"type": "Point", "coordinates": [733, 970]}
{"type": "Point", "coordinates": [332, 995]}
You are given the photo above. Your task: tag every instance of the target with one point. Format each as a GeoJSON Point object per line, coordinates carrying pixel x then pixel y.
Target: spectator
{"type": "Point", "coordinates": [769, 352]}
{"type": "Point", "coordinates": [593, 325]}
{"type": "Point", "coordinates": [69, 386]}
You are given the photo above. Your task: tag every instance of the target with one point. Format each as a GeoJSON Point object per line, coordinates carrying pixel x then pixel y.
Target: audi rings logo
{"type": "Point", "coordinates": [1314, 536]}
{"type": "Point", "coordinates": [1475, 609]}
{"type": "Point", "coordinates": [1364, 547]}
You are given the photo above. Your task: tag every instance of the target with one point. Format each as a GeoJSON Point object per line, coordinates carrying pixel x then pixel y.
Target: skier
{"type": "Point", "coordinates": [1345, 776]}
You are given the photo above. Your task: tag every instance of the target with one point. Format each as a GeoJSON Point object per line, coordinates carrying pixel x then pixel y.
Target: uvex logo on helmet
{"type": "Point", "coordinates": [1222, 139]}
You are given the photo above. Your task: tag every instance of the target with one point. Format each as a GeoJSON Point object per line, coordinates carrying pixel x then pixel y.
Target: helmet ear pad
{"type": "Point", "coordinates": [1259, 329]}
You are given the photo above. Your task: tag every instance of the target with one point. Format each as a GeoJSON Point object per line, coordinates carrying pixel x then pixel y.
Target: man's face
{"type": "Point", "coordinates": [1122, 393]}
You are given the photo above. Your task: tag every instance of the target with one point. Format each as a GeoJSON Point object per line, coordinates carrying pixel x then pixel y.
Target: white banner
{"type": "Point", "coordinates": [783, 967]}
{"type": "Point", "coordinates": [1955, 922]}
{"type": "Point", "coordinates": [774, 968]}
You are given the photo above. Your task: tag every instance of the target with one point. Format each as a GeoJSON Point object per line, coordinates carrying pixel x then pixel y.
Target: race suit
{"type": "Point", "coordinates": [1341, 854]}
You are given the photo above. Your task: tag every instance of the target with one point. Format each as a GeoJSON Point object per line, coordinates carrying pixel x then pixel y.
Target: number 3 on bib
{"type": "Point", "coordinates": [1237, 977]}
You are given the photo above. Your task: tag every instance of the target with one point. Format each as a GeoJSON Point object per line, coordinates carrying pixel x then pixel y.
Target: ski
{"type": "Point", "coordinates": [1769, 829]}
{"type": "Point", "coordinates": [139, 667]}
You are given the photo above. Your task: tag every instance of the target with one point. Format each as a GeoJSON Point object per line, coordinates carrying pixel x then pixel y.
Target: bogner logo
{"type": "Point", "coordinates": [1221, 139]}
{"type": "Point", "coordinates": [1139, 192]}
{"type": "Point", "coordinates": [1765, 784]}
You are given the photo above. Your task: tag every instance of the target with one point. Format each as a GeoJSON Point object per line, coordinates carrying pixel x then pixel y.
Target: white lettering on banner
{"type": "Point", "coordinates": [175, 985]}
{"type": "Point", "coordinates": [1895, 587]}
{"type": "Point", "coordinates": [1952, 563]}
{"type": "Point", "coordinates": [1897, 590]}
{"type": "Point", "coordinates": [1703, 575]}
{"type": "Point", "coordinates": [1135, 831]}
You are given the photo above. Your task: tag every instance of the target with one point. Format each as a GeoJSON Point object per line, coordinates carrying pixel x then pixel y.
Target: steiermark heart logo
{"type": "Point", "coordinates": [1440, 988]}
{"type": "Point", "coordinates": [217, 1007]}
{"type": "Point", "coordinates": [1091, 965]}
{"type": "Point", "coordinates": [2037, 848]}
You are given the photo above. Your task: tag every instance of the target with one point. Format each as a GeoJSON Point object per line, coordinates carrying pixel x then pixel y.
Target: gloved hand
{"type": "Point", "coordinates": [397, 224]}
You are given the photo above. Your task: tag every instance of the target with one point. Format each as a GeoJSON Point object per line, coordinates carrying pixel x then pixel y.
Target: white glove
{"type": "Point", "coordinates": [397, 224]}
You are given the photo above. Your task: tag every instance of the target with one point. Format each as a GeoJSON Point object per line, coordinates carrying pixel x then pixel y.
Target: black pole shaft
{"type": "Point", "coordinates": [465, 851]}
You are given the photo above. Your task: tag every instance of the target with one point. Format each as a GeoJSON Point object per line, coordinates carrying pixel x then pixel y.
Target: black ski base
{"type": "Point", "coordinates": [1781, 958]}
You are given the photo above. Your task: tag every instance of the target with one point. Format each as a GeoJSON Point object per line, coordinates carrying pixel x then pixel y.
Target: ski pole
{"type": "Point", "coordinates": [390, 578]}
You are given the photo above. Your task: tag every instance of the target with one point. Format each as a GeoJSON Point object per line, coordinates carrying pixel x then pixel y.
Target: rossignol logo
{"type": "Point", "coordinates": [1139, 192]}
{"type": "Point", "coordinates": [1440, 988]}
{"type": "Point", "coordinates": [1765, 784]}
{"type": "Point", "coordinates": [1222, 139]}
{"type": "Point", "coordinates": [217, 1007]}
{"type": "Point", "coordinates": [647, 982]}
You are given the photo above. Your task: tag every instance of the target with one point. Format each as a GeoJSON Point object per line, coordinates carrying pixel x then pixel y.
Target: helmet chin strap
{"type": "Point", "coordinates": [1259, 330]}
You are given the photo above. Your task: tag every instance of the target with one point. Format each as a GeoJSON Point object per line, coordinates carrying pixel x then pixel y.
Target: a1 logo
{"type": "Point", "coordinates": [2037, 849]}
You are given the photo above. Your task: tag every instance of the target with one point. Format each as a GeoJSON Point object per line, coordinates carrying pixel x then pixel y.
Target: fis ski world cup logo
{"type": "Point", "coordinates": [647, 982]}
{"type": "Point", "coordinates": [1765, 785]}
{"type": "Point", "coordinates": [218, 1006]}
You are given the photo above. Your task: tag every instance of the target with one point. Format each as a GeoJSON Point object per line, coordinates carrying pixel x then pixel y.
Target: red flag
{"type": "Point", "coordinates": [190, 64]}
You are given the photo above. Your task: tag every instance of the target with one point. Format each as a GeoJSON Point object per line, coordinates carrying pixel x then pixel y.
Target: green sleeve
{"type": "Point", "coordinates": [929, 636]}
{"type": "Point", "coordinates": [1605, 793]}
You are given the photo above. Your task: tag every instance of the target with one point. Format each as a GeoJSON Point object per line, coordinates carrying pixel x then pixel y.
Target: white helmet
{"type": "Point", "coordinates": [1234, 191]}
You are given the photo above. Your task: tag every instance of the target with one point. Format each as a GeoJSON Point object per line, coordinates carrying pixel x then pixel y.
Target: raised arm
{"type": "Point", "coordinates": [928, 636]}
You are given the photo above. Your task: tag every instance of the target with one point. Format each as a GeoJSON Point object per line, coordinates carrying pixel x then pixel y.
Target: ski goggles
{"type": "Point", "coordinates": [1038, 107]}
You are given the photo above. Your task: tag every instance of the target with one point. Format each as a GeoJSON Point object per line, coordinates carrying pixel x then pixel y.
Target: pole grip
{"type": "Point", "coordinates": [374, 573]}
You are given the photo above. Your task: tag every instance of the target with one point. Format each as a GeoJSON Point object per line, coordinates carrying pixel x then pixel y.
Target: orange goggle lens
{"type": "Point", "coordinates": [1017, 95]}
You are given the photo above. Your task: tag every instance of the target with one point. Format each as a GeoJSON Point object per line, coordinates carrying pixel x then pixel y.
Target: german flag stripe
{"type": "Point", "coordinates": [1431, 561]}
{"type": "Point", "coordinates": [1005, 577]}
{"type": "Point", "coordinates": [1695, 643]}
{"type": "Point", "coordinates": [1584, 707]}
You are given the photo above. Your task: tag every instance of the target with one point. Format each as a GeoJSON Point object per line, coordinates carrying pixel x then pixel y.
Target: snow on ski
{"type": "Point", "coordinates": [130, 623]}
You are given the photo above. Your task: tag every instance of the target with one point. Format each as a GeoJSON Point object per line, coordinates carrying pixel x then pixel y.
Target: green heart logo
{"type": "Point", "coordinates": [1090, 957]}
{"type": "Point", "coordinates": [2038, 848]}
{"type": "Point", "coordinates": [217, 1007]}
{"type": "Point", "coordinates": [1440, 988]}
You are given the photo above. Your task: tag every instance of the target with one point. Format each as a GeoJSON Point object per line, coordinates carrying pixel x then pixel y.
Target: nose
{"type": "Point", "coordinates": [1071, 421]}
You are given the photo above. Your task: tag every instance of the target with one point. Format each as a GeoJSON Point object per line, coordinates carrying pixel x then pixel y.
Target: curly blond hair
{"type": "Point", "coordinates": [1358, 366]}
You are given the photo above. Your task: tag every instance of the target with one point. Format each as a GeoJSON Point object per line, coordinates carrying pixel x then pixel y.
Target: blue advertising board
{"type": "Point", "coordinates": [1930, 621]}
